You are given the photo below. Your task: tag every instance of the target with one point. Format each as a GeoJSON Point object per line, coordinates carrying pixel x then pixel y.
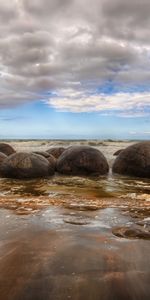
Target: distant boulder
{"type": "Point", "coordinates": [118, 152]}
{"type": "Point", "coordinates": [82, 160]}
{"type": "Point", "coordinates": [26, 165]}
{"type": "Point", "coordinates": [6, 149]}
{"type": "Point", "coordinates": [134, 160]}
{"type": "Point", "coordinates": [56, 151]}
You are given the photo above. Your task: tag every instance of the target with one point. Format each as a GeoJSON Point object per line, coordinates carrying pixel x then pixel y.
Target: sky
{"type": "Point", "coordinates": [75, 69]}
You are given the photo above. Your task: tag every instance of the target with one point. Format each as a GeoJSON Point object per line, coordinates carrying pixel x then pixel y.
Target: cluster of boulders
{"type": "Point", "coordinates": [74, 160]}
{"type": "Point", "coordinates": [79, 160]}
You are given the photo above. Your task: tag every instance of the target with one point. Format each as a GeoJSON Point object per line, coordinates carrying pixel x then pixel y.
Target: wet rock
{"type": "Point", "coordinates": [26, 165]}
{"type": "Point", "coordinates": [140, 212]}
{"type": "Point", "coordinates": [131, 232]}
{"type": "Point", "coordinates": [77, 220]}
{"type": "Point", "coordinates": [82, 160]}
{"type": "Point", "coordinates": [134, 160]}
{"type": "Point", "coordinates": [2, 157]}
{"type": "Point", "coordinates": [82, 207]}
{"type": "Point", "coordinates": [145, 223]}
{"type": "Point", "coordinates": [56, 151]}
{"type": "Point", "coordinates": [118, 152]}
{"type": "Point", "coordinates": [6, 149]}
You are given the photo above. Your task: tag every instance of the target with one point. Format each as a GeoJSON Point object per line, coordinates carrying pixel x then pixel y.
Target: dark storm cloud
{"type": "Point", "coordinates": [54, 46]}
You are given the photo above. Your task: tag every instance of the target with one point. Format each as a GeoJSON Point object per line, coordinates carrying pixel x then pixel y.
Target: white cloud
{"type": "Point", "coordinates": [123, 104]}
{"type": "Point", "coordinates": [71, 48]}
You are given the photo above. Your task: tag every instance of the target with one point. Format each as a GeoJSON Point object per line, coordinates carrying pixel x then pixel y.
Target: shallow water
{"type": "Point", "coordinates": [108, 191]}
{"type": "Point", "coordinates": [75, 237]}
{"type": "Point", "coordinates": [49, 255]}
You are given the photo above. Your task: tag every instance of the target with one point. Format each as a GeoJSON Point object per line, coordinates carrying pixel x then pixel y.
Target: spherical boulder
{"type": "Point", "coordinates": [56, 151]}
{"type": "Point", "coordinates": [26, 165]}
{"type": "Point", "coordinates": [82, 160]}
{"type": "Point", "coordinates": [6, 149]}
{"type": "Point", "coordinates": [134, 160]}
{"type": "Point", "coordinates": [118, 152]}
{"type": "Point", "coordinates": [2, 157]}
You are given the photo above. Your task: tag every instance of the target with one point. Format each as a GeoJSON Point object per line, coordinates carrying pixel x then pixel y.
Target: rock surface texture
{"type": "Point", "coordinates": [56, 151]}
{"type": "Point", "coordinates": [52, 160]}
{"type": "Point", "coordinates": [6, 149]}
{"type": "Point", "coordinates": [2, 157]}
{"type": "Point", "coordinates": [26, 165]}
{"type": "Point", "coordinates": [131, 232]}
{"type": "Point", "coordinates": [134, 160]}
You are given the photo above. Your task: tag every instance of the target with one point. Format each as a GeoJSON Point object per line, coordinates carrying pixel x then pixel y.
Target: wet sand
{"type": "Point", "coordinates": [48, 255]}
{"type": "Point", "coordinates": [75, 238]}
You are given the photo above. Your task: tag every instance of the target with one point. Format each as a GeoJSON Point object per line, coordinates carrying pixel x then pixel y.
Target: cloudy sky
{"type": "Point", "coordinates": [75, 69]}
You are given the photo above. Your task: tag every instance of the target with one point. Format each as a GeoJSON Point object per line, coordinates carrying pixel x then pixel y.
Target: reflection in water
{"type": "Point", "coordinates": [111, 185]}
{"type": "Point", "coordinates": [74, 192]}
{"type": "Point", "coordinates": [43, 257]}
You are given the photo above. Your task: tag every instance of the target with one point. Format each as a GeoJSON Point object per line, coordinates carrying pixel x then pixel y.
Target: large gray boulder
{"type": "Point", "coordinates": [26, 165]}
{"type": "Point", "coordinates": [56, 151]}
{"type": "Point", "coordinates": [134, 160]}
{"type": "Point", "coordinates": [82, 160]}
{"type": "Point", "coordinates": [6, 149]}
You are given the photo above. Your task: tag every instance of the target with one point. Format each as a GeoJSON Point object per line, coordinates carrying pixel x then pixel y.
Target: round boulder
{"type": "Point", "coordinates": [118, 152]}
{"type": "Point", "coordinates": [26, 165]}
{"type": "Point", "coordinates": [82, 160]}
{"type": "Point", "coordinates": [134, 160]}
{"type": "Point", "coordinates": [56, 151]}
{"type": "Point", "coordinates": [6, 149]}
